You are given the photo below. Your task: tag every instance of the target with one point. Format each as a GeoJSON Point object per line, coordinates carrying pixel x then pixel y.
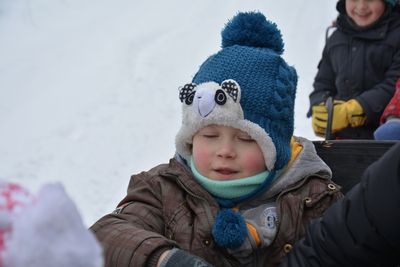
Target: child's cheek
{"type": "Point", "coordinates": [201, 158]}
{"type": "Point", "coordinates": [255, 163]}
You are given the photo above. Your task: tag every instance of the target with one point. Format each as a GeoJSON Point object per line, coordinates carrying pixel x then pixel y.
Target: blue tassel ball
{"type": "Point", "coordinates": [254, 30]}
{"type": "Point", "coordinates": [229, 229]}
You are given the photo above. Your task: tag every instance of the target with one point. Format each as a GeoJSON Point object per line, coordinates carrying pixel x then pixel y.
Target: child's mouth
{"type": "Point", "coordinates": [362, 15]}
{"type": "Point", "coordinates": [226, 171]}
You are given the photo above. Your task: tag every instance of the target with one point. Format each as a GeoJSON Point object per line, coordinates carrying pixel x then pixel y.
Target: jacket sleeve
{"type": "Point", "coordinates": [361, 229]}
{"type": "Point", "coordinates": [324, 82]}
{"type": "Point", "coordinates": [374, 100]}
{"type": "Point", "coordinates": [134, 235]}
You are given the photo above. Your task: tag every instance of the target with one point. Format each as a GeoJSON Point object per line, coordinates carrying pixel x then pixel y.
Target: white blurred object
{"type": "Point", "coordinates": [49, 232]}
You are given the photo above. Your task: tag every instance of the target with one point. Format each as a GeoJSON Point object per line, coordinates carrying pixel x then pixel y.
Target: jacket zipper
{"type": "Point", "coordinates": [210, 217]}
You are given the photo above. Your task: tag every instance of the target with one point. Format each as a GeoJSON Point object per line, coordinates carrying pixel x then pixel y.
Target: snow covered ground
{"type": "Point", "coordinates": [88, 88]}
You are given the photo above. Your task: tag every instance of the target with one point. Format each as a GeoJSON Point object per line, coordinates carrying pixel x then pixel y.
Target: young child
{"type": "Point", "coordinates": [240, 190]}
{"type": "Point", "coordinates": [390, 120]}
{"type": "Point", "coordinates": [359, 67]}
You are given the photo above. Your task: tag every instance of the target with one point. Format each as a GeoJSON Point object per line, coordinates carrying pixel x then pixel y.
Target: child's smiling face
{"type": "Point", "coordinates": [365, 12]}
{"type": "Point", "coordinates": [226, 153]}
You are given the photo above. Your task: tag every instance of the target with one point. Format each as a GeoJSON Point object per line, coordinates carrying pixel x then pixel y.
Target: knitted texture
{"type": "Point", "coordinates": [229, 229]}
{"type": "Point", "coordinates": [252, 29]}
{"type": "Point", "coordinates": [250, 55]}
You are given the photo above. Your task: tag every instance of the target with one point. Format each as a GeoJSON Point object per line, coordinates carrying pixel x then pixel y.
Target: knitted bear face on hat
{"type": "Point", "coordinates": [212, 103]}
{"type": "Point", "coordinates": [246, 85]}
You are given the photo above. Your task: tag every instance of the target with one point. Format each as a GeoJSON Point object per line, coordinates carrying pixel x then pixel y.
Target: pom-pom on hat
{"type": "Point", "coordinates": [246, 85]}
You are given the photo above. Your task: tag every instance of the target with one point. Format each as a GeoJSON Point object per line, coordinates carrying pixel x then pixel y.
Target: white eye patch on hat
{"type": "Point", "coordinates": [212, 103]}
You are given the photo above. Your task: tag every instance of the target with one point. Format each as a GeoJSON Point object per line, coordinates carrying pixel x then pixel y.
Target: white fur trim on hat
{"type": "Point", "coordinates": [210, 103]}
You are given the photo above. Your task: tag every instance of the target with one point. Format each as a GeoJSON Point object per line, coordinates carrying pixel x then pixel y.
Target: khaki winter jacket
{"type": "Point", "coordinates": [165, 207]}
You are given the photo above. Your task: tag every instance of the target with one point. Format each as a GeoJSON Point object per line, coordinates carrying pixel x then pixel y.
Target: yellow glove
{"type": "Point", "coordinates": [355, 113]}
{"type": "Point", "coordinates": [345, 114]}
{"type": "Point", "coordinates": [319, 115]}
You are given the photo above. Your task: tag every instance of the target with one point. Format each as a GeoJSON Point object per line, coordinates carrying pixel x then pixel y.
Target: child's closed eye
{"type": "Point", "coordinates": [246, 138]}
{"type": "Point", "coordinates": [210, 135]}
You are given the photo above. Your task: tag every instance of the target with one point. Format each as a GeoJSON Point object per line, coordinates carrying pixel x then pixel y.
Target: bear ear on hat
{"type": "Point", "coordinates": [254, 30]}
{"type": "Point", "coordinates": [232, 88]}
{"type": "Point", "coordinates": [186, 93]}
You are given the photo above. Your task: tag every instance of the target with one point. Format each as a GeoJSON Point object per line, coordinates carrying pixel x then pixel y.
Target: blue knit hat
{"type": "Point", "coordinates": [246, 85]}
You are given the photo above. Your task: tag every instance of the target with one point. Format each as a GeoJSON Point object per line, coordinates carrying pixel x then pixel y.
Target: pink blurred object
{"type": "Point", "coordinates": [12, 199]}
{"type": "Point", "coordinates": [44, 230]}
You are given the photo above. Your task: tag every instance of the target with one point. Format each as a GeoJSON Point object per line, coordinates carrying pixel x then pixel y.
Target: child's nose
{"type": "Point", "coordinates": [227, 150]}
{"type": "Point", "coordinates": [362, 4]}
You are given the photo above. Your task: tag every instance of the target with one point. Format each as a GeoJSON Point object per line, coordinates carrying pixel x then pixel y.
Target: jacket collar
{"type": "Point", "coordinates": [306, 164]}
{"type": "Point", "coordinates": [180, 171]}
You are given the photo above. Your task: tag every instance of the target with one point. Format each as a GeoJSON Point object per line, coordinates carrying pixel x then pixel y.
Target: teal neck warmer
{"type": "Point", "coordinates": [229, 189]}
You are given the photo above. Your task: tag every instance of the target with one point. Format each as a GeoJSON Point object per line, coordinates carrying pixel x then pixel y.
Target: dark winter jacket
{"type": "Point", "coordinates": [362, 64]}
{"type": "Point", "coordinates": [393, 108]}
{"type": "Point", "coordinates": [165, 208]}
{"type": "Point", "coordinates": [362, 229]}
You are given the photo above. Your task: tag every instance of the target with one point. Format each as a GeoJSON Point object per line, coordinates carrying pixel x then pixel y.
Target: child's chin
{"type": "Point", "coordinates": [364, 22]}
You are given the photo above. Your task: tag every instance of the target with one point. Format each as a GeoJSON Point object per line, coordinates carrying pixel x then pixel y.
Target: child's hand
{"type": "Point", "coordinates": [345, 113]}
{"type": "Point", "coordinates": [355, 113]}
{"type": "Point", "coordinates": [162, 257]}
{"type": "Point", "coordinates": [319, 119]}
{"type": "Point", "coordinates": [178, 257]}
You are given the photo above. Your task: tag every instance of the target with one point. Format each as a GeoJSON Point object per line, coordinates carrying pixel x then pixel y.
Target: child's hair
{"type": "Point", "coordinates": [246, 85]}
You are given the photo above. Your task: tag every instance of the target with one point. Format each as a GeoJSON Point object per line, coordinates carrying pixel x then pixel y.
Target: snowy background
{"type": "Point", "coordinates": [88, 88]}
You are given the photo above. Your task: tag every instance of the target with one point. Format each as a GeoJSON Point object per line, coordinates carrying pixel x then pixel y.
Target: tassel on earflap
{"type": "Point", "coordinates": [229, 229]}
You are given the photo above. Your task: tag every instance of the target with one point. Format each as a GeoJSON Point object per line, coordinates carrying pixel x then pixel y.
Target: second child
{"type": "Point", "coordinates": [359, 68]}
